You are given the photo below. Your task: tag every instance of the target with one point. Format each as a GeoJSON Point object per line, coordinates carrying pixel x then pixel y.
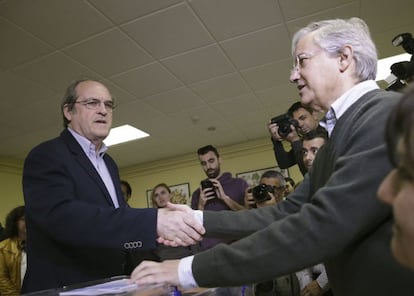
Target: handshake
{"type": "Point", "coordinates": [178, 225]}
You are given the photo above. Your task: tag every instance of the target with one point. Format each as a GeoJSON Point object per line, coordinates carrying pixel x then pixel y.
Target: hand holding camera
{"type": "Point", "coordinates": [248, 198]}
{"type": "Point", "coordinates": [283, 127]}
{"type": "Point", "coordinates": [262, 193]}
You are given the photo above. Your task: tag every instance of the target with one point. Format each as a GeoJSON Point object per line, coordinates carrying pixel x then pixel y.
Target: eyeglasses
{"type": "Point", "coordinates": [300, 61]}
{"type": "Point", "coordinates": [94, 104]}
{"type": "Point", "coordinates": [272, 188]}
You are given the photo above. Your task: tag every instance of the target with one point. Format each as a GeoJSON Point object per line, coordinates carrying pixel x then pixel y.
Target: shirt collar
{"type": "Point", "coordinates": [88, 146]}
{"type": "Point", "coordinates": [351, 96]}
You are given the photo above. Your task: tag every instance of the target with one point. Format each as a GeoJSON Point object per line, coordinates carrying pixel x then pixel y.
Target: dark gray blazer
{"type": "Point", "coordinates": [74, 233]}
{"type": "Point", "coordinates": [333, 217]}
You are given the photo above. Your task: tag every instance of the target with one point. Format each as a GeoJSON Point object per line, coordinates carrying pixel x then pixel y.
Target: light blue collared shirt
{"type": "Point", "coordinates": [98, 162]}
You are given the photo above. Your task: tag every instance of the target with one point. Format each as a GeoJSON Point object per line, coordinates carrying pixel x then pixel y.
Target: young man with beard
{"type": "Point", "coordinates": [225, 192]}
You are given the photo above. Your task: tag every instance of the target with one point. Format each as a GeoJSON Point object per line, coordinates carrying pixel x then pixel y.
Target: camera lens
{"type": "Point", "coordinates": [261, 193]}
{"type": "Point", "coordinates": [284, 129]}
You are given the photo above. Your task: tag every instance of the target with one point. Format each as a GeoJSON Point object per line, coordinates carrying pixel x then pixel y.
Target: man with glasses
{"type": "Point", "coordinates": [79, 227]}
{"type": "Point", "coordinates": [311, 280]}
{"type": "Point", "coordinates": [275, 184]}
{"type": "Point", "coordinates": [334, 215]}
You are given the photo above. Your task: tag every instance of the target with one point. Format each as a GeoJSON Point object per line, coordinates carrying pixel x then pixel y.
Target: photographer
{"type": "Point", "coordinates": [309, 281]}
{"type": "Point", "coordinates": [269, 192]}
{"type": "Point", "coordinates": [304, 121]}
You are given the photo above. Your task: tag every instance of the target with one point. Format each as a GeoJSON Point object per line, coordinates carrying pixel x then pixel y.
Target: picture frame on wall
{"type": "Point", "coordinates": [149, 200]}
{"type": "Point", "coordinates": [180, 194]}
{"type": "Point", "coordinates": [253, 177]}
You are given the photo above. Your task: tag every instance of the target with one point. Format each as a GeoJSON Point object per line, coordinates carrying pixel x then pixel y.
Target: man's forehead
{"type": "Point", "coordinates": [93, 89]}
{"type": "Point", "coordinates": [301, 111]}
{"type": "Point", "coordinates": [315, 142]}
{"type": "Point", "coordinates": [270, 181]}
{"type": "Point", "coordinates": [209, 155]}
{"type": "Point", "coordinates": [306, 44]}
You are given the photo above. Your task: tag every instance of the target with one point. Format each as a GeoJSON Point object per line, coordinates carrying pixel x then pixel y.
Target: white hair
{"type": "Point", "coordinates": [333, 35]}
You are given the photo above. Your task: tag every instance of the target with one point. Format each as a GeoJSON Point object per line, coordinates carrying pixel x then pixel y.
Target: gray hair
{"type": "Point", "coordinates": [276, 175]}
{"type": "Point", "coordinates": [333, 35]}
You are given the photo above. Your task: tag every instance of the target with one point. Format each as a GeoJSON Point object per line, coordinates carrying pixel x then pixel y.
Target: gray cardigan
{"type": "Point", "coordinates": [333, 217]}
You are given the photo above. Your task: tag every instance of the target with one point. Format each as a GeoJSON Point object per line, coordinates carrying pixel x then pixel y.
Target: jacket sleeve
{"type": "Point", "coordinates": [284, 158]}
{"type": "Point", "coordinates": [298, 153]}
{"type": "Point", "coordinates": [66, 201]}
{"type": "Point", "coordinates": [7, 287]}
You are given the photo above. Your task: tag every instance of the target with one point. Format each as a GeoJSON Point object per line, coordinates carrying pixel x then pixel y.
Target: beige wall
{"type": "Point", "coordinates": [11, 194]}
{"type": "Point", "coordinates": [244, 157]}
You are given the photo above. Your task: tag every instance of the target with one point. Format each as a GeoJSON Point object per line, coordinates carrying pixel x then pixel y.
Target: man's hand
{"type": "Point", "coordinates": [312, 289]}
{"type": "Point", "coordinates": [177, 226]}
{"type": "Point", "coordinates": [205, 195]}
{"type": "Point", "coordinates": [249, 201]}
{"type": "Point", "coordinates": [219, 189]}
{"type": "Point", "coordinates": [149, 272]}
{"type": "Point", "coordinates": [231, 203]}
{"type": "Point", "coordinates": [273, 130]}
{"type": "Point", "coordinates": [293, 135]}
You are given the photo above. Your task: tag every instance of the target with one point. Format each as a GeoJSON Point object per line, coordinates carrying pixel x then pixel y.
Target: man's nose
{"type": "Point", "coordinates": [386, 190]}
{"type": "Point", "coordinates": [294, 75]}
{"type": "Point", "coordinates": [102, 108]}
{"type": "Point", "coordinates": [309, 157]}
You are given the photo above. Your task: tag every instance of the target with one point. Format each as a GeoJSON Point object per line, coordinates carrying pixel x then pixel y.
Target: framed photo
{"type": "Point", "coordinates": [180, 194]}
{"type": "Point", "coordinates": [149, 200]}
{"type": "Point", "coordinates": [253, 177]}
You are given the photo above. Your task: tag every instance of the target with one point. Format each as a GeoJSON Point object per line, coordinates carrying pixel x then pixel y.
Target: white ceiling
{"type": "Point", "coordinates": [176, 68]}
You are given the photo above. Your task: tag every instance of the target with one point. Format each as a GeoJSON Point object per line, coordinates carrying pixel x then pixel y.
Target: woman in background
{"type": "Point", "coordinates": [397, 189]}
{"type": "Point", "coordinates": [161, 195]}
{"type": "Point", "coordinates": [12, 254]}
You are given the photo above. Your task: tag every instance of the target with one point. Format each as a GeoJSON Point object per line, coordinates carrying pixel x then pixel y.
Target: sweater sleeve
{"type": "Point", "coordinates": [341, 188]}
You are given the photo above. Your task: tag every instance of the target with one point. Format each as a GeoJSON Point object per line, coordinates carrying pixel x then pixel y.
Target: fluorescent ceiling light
{"type": "Point", "coordinates": [383, 67]}
{"type": "Point", "coordinates": [124, 133]}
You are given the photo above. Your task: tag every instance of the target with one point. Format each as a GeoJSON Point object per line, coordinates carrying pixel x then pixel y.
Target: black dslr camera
{"type": "Point", "coordinates": [284, 122]}
{"type": "Point", "coordinates": [402, 72]}
{"type": "Point", "coordinates": [261, 193]}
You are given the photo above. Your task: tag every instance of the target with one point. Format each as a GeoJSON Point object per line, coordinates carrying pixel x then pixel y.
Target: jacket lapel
{"type": "Point", "coordinates": [85, 163]}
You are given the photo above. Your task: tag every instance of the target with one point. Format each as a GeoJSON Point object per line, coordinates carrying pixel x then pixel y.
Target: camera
{"type": "Point", "coordinates": [284, 122]}
{"type": "Point", "coordinates": [261, 193]}
{"type": "Point", "coordinates": [208, 184]}
{"type": "Point", "coordinates": [402, 72]}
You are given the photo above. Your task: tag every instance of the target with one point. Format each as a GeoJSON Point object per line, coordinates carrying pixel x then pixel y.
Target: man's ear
{"type": "Point", "coordinates": [345, 58]}
{"type": "Point", "coordinates": [67, 113]}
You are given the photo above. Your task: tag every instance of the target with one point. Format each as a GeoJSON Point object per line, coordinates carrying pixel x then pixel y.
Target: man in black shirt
{"type": "Point", "coordinates": [307, 121]}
